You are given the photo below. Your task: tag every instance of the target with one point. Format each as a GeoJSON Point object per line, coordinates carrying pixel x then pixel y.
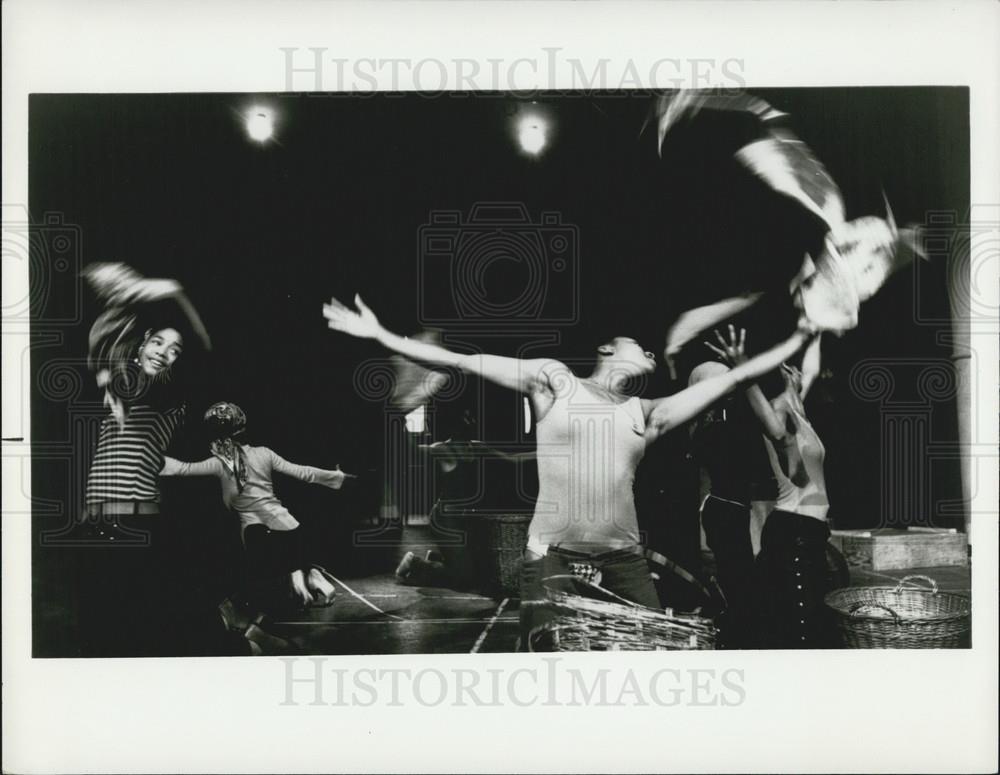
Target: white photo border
{"type": "Point", "coordinates": [802, 712]}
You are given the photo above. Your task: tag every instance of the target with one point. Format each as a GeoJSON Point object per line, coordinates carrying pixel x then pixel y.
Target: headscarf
{"type": "Point", "coordinates": [226, 422]}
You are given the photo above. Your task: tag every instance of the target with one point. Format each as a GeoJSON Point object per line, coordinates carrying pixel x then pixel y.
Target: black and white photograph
{"type": "Point", "coordinates": [632, 366]}
{"type": "Point", "coordinates": [668, 371]}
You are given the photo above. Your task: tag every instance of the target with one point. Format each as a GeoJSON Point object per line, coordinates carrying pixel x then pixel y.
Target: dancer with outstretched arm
{"type": "Point", "coordinates": [275, 548]}
{"type": "Point", "coordinates": [591, 435]}
{"type": "Point", "coordinates": [792, 576]}
{"type": "Point", "coordinates": [135, 590]}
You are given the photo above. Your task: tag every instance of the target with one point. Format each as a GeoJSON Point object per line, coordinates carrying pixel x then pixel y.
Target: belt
{"type": "Point", "coordinates": [535, 545]}
{"type": "Point", "coordinates": [122, 508]}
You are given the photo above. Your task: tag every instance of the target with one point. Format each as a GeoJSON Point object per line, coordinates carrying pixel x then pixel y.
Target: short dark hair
{"type": "Point", "coordinates": [165, 314]}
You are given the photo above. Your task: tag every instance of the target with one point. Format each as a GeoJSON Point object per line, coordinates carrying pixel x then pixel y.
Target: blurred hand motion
{"type": "Point", "coordinates": [858, 256]}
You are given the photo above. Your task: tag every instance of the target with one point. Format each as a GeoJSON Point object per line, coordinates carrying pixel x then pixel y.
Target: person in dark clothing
{"type": "Point", "coordinates": [792, 575]}
{"type": "Point", "coordinates": [726, 442]}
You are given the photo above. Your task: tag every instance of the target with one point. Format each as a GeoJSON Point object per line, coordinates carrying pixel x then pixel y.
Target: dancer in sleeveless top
{"type": "Point", "coordinates": [791, 569]}
{"type": "Point", "coordinates": [591, 436]}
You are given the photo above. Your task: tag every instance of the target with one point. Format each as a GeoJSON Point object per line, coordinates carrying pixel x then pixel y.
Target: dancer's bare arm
{"type": "Point", "coordinates": [665, 414]}
{"type": "Point", "coordinates": [773, 416]}
{"type": "Point", "coordinates": [811, 365]}
{"type": "Point", "coordinates": [524, 375]}
{"type": "Point", "coordinates": [208, 467]}
{"type": "Point", "coordinates": [733, 354]}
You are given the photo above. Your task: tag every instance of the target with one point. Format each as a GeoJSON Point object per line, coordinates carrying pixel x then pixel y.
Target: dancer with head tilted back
{"type": "Point", "coordinates": [591, 435]}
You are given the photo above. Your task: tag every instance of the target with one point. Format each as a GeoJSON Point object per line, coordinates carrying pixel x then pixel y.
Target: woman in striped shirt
{"type": "Point", "coordinates": [135, 599]}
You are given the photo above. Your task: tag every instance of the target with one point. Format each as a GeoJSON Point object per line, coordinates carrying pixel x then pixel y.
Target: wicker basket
{"type": "Point", "coordinates": [588, 624]}
{"type": "Point", "coordinates": [900, 617]}
{"type": "Point", "coordinates": [503, 538]}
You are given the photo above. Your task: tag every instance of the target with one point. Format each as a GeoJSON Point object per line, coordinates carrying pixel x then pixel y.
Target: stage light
{"type": "Point", "coordinates": [260, 124]}
{"type": "Point", "coordinates": [531, 134]}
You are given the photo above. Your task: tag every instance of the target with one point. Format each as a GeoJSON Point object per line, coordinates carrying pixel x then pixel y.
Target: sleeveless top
{"type": "Point", "coordinates": [810, 499]}
{"type": "Point", "coordinates": [588, 449]}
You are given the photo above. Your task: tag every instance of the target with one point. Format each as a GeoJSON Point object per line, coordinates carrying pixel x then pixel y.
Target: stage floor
{"type": "Point", "coordinates": [375, 614]}
{"type": "Point", "coordinates": [379, 615]}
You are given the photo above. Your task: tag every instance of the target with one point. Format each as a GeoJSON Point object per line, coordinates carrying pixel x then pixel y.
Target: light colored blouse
{"type": "Point", "coordinates": [257, 503]}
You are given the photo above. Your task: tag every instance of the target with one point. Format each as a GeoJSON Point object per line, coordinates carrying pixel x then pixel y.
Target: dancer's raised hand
{"type": "Point", "coordinates": [793, 381]}
{"type": "Point", "coordinates": [733, 352]}
{"type": "Point", "coordinates": [361, 322]}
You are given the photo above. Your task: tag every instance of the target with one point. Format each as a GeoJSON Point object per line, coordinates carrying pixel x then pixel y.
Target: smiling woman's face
{"type": "Point", "coordinates": [160, 350]}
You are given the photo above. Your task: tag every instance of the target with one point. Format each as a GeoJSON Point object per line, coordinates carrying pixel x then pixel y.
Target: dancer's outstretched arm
{"type": "Point", "coordinates": [665, 414]}
{"type": "Point", "coordinates": [692, 322]}
{"type": "Point", "coordinates": [208, 467]}
{"type": "Point", "coordinates": [733, 354]}
{"type": "Point", "coordinates": [811, 365]}
{"type": "Point", "coordinates": [524, 375]}
{"type": "Point", "coordinates": [772, 415]}
{"type": "Point", "coordinates": [334, 479]}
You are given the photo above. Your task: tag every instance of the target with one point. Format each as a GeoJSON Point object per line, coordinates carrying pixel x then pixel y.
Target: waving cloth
{"type": "Point", "coordinates": [117, 334]}
{"type": "Point", "coordinates": [858, 256]}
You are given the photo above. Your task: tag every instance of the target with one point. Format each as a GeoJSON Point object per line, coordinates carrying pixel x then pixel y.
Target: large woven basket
{"type": "Point", "coordinates": [901, 617]}
{"type": "Point", "coordinates": [503, 538]}
{"type": "Point", "coordinates": [588, 624]}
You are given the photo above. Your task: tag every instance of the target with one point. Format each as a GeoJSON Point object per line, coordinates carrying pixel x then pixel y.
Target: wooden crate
{"type": "Point", "coordinates": [892, 549]}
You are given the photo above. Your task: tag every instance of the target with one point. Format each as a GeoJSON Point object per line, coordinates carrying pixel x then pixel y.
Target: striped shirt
{"type": "Point", "coordinates": [129, 458]}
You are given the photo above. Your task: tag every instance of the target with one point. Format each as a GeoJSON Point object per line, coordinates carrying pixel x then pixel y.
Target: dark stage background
{"type": "Point", "coordinates": [262, 235]}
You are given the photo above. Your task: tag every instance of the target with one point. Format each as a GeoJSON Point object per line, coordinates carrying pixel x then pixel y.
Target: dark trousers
{"type": "Point", "coordinates": [727, 530]}
{"type": "Point", "coordinates": [623, 572]}
{"type": "Point", "coordinates": [136, 594]}
{"type": "Point", "coordinates": [792, 579]}
{"type": "Point", "coordinates": [271, 556]}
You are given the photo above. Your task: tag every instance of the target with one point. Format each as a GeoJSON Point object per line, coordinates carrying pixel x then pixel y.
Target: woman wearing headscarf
{"type": "Point", "coordinates": [275, 549]}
